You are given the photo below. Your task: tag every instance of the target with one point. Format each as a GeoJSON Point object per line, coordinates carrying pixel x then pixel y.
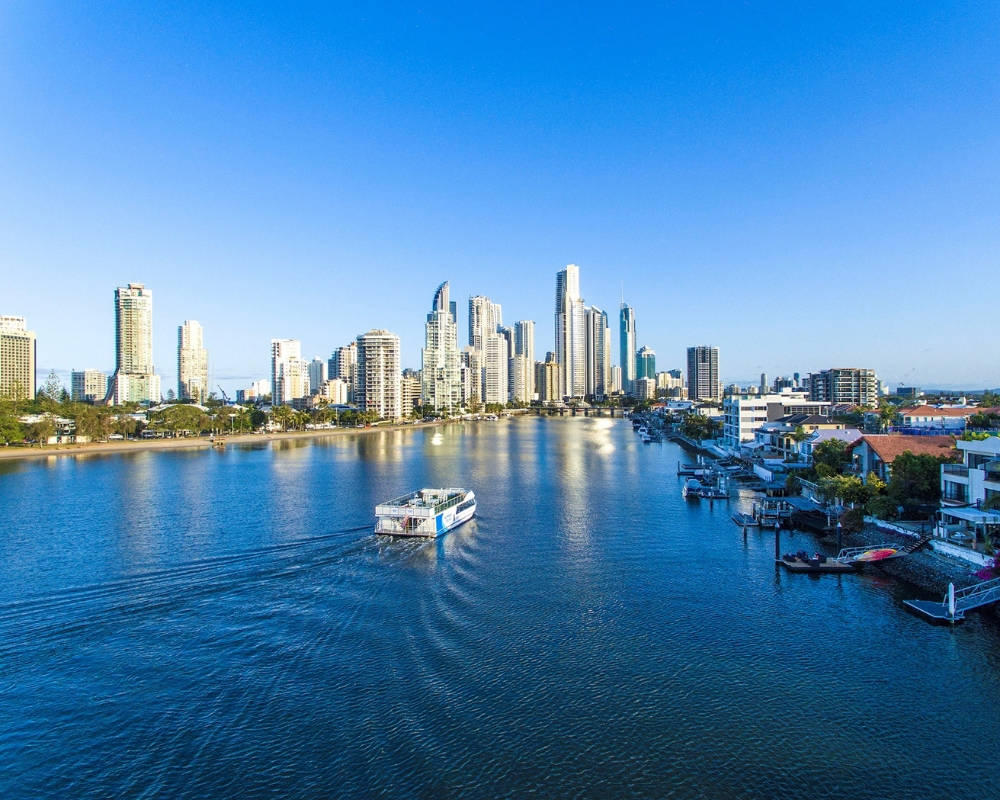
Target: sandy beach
{"type": "Point", "coordinates": [103, 448]}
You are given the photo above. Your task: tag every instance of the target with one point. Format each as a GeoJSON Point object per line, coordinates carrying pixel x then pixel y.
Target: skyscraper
{"type": "Point", "coordinates": [134, 379]}
{"type": "Point", "coordinates": [485, 317]}
{"type": "Point", "coordinates": [495, 358]}
{"type": "Point", "coordinates": [379, 386]}
{"type": "Point", "coordinates": [645, 363]}
{"type": "Point", "coordinates": [17, 359]}
{"type": "Point", "coordinates": [703, 373]}
{"type": "Point", "coordinates": [598, 336]}
{"type": "Point", "coordinates": [854, 385]}
{"type": "Point", "coordinates": [289, 373]}
{"type": "Point", "coordinates": [441, 365]}
{"type": "Point", "coordinates": [626, 347]}
{"type": "Point", "coordinates": [524, 348]}
{"type": "Point", "coordinates": [343, 364]}
{"type": "Point", "coordinates": [570, 335]}
{"type": "Point", "coordinates": [192, 362]}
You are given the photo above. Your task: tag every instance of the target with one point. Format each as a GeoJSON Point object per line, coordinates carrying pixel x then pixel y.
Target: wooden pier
{"type": "Point", "coordinates": [795, 563]}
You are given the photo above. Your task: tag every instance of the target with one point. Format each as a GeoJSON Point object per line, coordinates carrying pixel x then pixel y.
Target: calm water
{"type": "Point", "coordinates": [212, 624]}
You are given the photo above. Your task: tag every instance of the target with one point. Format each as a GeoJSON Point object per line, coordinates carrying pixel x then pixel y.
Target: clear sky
{"type": "Point", "coordinates": [804, 185]}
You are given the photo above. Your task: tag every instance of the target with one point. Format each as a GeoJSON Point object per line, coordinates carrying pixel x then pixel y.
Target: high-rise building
{"type": "Point", "coordinates": [485, 317]}
{"type": "Point", "coordinates": [441, 365]}
{"type": "Point", "coordinates": [626, 347]}
{"type": "Point", "coordinates": [471, 376]}
{"type": "Point", "coordinates": [521, 379]}
{"type": "Point", "coordinates": [289, 373]}
{"type": "Point", "coordinates": [18, 349]}
{"type": "Point", "coordinates": [524, 347]}
{"type": "Point", "coordinates": [645, 388]}
{"type": "Point", "coordinates": [88, 386]}
{"type": "Point", "coordinates": [343, 364]}
{"type": "Point", "coordinates": [547, 381]}
{"type": "Point", "coordinates": [317, 374]}
{"type": "Point", "coordinates": [645, 363]}
{"type": "Point", "coordinates": [379, 384]}
{"type": "Point", "coordinates": [134, 379]}
{"type": "Point", "coordinates": [192, 362]}
{"type": "Point", "coordinates": [854, 385]}
{"type": "Point", "coordinates": [570, 333]}
{"type": "Point", "coordinates": [495, 366]}
{"type": "Point", "coordinates": [670, 383]}
{"type": "Point", "coordinates": [616, 379]}
{"type": "Point", "coordinates": [598, 336]}
{"type": "Point", "coordinates": [703, 373]}
{"type": "Point", "coordinates": [410, 387]}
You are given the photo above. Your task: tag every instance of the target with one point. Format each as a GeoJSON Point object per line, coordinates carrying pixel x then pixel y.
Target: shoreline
{"type": "Point", "coordinates": [198, 442]}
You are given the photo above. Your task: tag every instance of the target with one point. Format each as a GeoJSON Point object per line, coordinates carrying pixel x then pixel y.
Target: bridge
{"type": "Point", "coordinates": [955, 603]}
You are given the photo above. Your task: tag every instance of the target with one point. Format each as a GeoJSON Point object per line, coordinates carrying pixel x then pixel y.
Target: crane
{"type": "Point", "coordinates": [225, 396]}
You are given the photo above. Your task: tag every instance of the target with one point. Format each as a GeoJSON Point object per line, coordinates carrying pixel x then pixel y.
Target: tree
{"type": "Point", "coordinates": [284, 416]}
{"type": "Point", "coordinates": [916, 478]}
{"type": "Point", "coordinates": [41, 431]}
{"type": "Point", "coordinates": [171, 396]}
{"type": "Point", "coordinates": [53, 387]}
{"type": "Point", "coordinates": [886, 415]}
{"type": "Point", "coordinates": [11, 430]}
{"type": "Point", "coordinates": [833, 454]}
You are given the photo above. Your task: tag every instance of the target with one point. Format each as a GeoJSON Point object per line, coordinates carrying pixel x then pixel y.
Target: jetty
{"type": "Point", "coordinates": [955, 603]}
{"type": "Point", "coordinates": [817, 563]}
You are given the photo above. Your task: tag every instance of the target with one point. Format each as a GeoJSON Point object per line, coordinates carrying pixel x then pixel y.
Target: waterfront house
{"type": "Point", "coordinates": [874, 453]}
{"type": "Point", "coordinates": [931, 419]}
{"type": "Point", "coordinates": [968, 494]}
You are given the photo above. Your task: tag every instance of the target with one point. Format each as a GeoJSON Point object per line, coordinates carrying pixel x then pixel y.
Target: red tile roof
{"type": "Point", "coordinates": [930, 411]}
{"type": "Point", "coordinates": [889, 445]}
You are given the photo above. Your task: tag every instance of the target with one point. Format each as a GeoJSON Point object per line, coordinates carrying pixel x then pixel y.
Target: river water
{"type": "Point", "coordinates": [225, 624]}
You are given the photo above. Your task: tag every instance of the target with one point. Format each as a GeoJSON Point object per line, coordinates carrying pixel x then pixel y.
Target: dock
{"type": "Point", "coordinates": [952, 607]}
{"type": "Point", "coordinates": [798, 563]}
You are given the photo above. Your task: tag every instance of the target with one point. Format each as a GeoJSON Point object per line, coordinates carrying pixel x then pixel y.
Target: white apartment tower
{"type": "Point", "coordinates": [598, 336]}
{"type": "Point", "coordinates": [88, 386]}
{"type": "Point", "coordinates": [343, 364]}
{"type": "Point", "coordinates": [379, 386]}
{"type": "Point", "coordinates": [441, 385]}
{"type": "Point", "coordinates": [524, 348]}
{"type": "Point", "coordinates": [570, 336]}
{"type": "Point", "coordinates": [495, 364]}
{"type": "Point", "coordinates": [485, 317]}
{"type": "Point", "coordinates": [289, 373]}
{"type": "Point", "coordinates": [317, 374]}
{"type": "Point", "coordinates": [17, 359]}
{"type": "Point", "coordinates": [192, 362]}
{"type": "Point", "coordinates": [134, 379]}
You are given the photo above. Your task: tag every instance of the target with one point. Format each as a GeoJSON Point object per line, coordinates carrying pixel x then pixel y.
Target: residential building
{"type": "Point", "coordinates": [598, 333]}
{"type": "Point", "coordinates": [287, 381]}
{"type": "Point", "coordinates": [88, 386]}
{"type": "Point", "coordinates": [255, 391]}
{"type": "Point", "coordinates": [440, 361]}
{"type": "Point", "coordinates": [410, 390]}
{"type": "Point", "coordinates": [670, 384]}
{"type": "Point", "coordinates": [318, 373]}
{"type": "Point", "coordinates": [875, 453]}
{"type": "Point", "coordinates": [547, 381]}
{"type": "Point", "coordinates": [616, 379]}
{"type": "Point", "coordinates": [134, 379]}
{"type": "Point", "coordinates": [703, 373]}
{"type": "Point", "coordinates": [645, 388]}
{"type": "Point", "coordinates": [944, 420]}
{"type": "Point", "coordinates": [192, 362]}
{"type": "Point", "coordinates": [626, 347]}
{"type": "Point", "coordinates": [485, 317]}
{"type": "Point", "coordinates": [645, 363]}
{"type": "Point", "coordinates": [343, 364]}
{"type": "Point", "coordinates": [521, 379]}
{"type": "Point", "coordinates": [570, 334]}
{"type": "Point", "coordinates": [913, 392]}
{"type": "Point", "coordinates": [471, 376]}
{"type": "Point", "coordinates": [524, 346]}
{"type": "Point", "coordinates": [334, 391]}
{"type": "Point", "coordinates": [18, 351]}
{"type": "Point", "coordinates": [853, 385]}
{"type": "Point", "coordinates": [379, 381]}
{"type": "Point", "coordinates": [969, 512]}
{"type": "Point", "coordinates": [743, 414]}
{"type": "Point", "coordinates": [495, 366]}
{"type": "Point", "coordinates": [793, 437]}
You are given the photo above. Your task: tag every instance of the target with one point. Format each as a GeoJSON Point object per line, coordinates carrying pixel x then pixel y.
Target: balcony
{"type": "Point", "coordinates": [955, 469]}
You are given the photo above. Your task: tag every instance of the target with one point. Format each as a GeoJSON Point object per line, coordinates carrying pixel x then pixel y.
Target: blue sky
{"type": "Point", "coordinates": [803, 185]}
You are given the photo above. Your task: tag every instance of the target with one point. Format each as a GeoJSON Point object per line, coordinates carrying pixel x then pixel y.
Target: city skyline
{"type": "Point", "coordinates": [706, 160]}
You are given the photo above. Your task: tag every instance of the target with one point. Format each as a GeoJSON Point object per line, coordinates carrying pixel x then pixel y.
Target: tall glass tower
{"type": "Point", "coordinates": [626, 344]}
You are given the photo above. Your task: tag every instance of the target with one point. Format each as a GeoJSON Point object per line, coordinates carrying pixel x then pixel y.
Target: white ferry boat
{"type": "Point", "coordinates": [427, 512]}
